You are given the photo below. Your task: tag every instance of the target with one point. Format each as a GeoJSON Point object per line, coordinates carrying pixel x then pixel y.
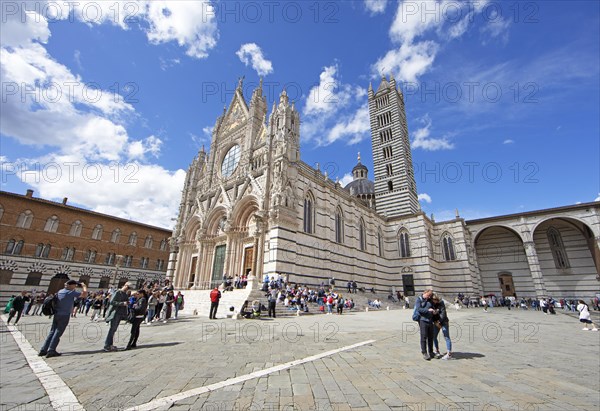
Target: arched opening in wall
{"type": "Point", "coordinates": [57, 283]}
{"type": "Point", "coordinates": [568, 257]}
{"type": "Point", "coordinates": [85, 279]}
{"type": "Point", "coordinates": [506, 284]}
{"type": "Point", "coordinates": [499, 249]}
{"type": "Point", "coordinates": [139, 283]}
{"type": "Point", "coordinates": [5, 276]}
{"type": "Point", "coordinates": [104, 283]}
{"type": "Point", "coordinates": [216, 221]}
{"type": "Point", "coordinates": [122, 282]}
{"type": "Point", "coordinates": [245, 223]}
{"type": "Point", "coordinates": [33, 278]}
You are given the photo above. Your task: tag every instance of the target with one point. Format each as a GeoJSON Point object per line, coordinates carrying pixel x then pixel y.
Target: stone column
{"type": "Point", "coordinates": [173, 260]}
{"type": "Point", "coordinates": [535, 269]}
{"type": "Point", "coordinates": [199, 264]}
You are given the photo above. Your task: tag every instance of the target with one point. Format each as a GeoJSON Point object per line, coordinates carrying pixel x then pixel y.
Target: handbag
{"type": "Point", "coordinates": [130, 316]}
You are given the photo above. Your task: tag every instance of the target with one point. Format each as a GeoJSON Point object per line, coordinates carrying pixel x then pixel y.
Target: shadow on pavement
{"type": "Point", "coordinates": [139, 347]}
{"type": "Point", "coordinates": [466, 355]}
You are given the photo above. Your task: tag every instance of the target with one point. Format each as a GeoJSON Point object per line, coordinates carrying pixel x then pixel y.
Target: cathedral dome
{"type": "Point", "coordinates": [361, 186]}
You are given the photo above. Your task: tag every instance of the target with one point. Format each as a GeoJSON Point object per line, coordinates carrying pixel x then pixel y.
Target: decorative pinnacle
{"type": "Point", "coordinates": [359, 156]}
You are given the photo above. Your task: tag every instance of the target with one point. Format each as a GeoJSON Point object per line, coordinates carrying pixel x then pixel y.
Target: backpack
{"type": "Point", "coordinates": [49, 305]}
{"type": "Point", "coordinates": [416, 316]}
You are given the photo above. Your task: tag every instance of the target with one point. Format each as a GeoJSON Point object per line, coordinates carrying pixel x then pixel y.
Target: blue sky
{"type": "Point", "coordinates": [502, 99]}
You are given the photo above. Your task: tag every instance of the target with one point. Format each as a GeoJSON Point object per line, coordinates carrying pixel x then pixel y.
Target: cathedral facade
{"type": "Point", "coordinates": [251, 206]}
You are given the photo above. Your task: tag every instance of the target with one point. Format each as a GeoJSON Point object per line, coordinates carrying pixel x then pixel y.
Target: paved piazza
{"type": "Point", "coordinates": [505, 360]}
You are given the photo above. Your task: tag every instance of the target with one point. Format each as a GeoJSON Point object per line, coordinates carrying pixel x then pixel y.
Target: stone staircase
{"type": "Point", "coordinates": [361, 300]}
{"type": "Point", "coordinates": [197, 302]}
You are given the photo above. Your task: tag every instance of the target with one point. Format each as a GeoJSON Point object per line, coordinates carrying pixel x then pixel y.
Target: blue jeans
{"type": "Point", "coordinates": [176, 310]}
{"type": "Point", "coordinates": [59, 325]}
{"type": "Point", "coordinates": [151, 312]}
{"type": "Point", "coordinates": [446, 334]}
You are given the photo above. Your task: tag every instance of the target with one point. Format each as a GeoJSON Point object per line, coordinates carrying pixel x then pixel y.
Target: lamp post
{"type": "Point", "coordinates": [117, 264]}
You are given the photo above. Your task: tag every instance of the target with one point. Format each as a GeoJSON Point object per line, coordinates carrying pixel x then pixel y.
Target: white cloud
{"type": "Point", "coordinates": [410, 58]}
{"type": "Point", "coordinates": [334, 106]}
{"type": "Point", "coordinates": [138, 149]}
{"type": "Point", "coordinates": [132, 190]}
{"type": "Point", "coordinates": [597, 198]}
{"type": "Point", "coordinates": [375, 6]}
{"type": "Point", "coordinates": [346, 179]}
{"type": "Point", "coordinates": [191, 24]}
{"type": "Point", "coordinates": [251, 54]}
{"type": "Point", "coordinates": [99, 165]}
{"type": "Point", "coordinates": [329, 95]}
{"type": "Point", "coordinates": [422, 140]}
{"type": "Point", "coordinates": [497, 27]}
{"type": "Point", "coordinates": [356, 127]}
{"type": "Point", "coordinates": [508, 141]}
{"type": "Point", "coordinates": [424, 197]}
{"type": "Point", "coordinates": [409, 61]}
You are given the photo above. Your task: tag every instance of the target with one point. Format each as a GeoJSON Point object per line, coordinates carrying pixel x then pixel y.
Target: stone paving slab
{"type": "Point", "coordinates": [504, 360]}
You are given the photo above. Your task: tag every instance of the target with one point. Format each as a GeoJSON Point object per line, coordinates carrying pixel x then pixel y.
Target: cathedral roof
{"type": "Point", "coordinates": [359, 166]}
{"type": "Point", "coordinates": [383, 86]}
{"type": "Point", "coordinates": [361, 186]}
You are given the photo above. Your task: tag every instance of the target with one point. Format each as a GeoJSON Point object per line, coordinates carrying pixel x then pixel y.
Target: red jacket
{"type": "Point", "coordinates": [215, 295]}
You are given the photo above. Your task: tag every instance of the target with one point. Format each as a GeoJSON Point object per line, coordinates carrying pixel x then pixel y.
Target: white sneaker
{"type": "Point", "coordinates": [447, 356]}
{"type": "Point", "coordinates": [594, 329]}
{"type": "Point", "coordinates": [165, 321]}
{"type": "Point", "coordinates": [585, 329]}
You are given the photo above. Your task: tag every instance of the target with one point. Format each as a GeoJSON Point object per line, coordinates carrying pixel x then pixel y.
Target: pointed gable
{"type": "Point", "coordinates": [237, 113]}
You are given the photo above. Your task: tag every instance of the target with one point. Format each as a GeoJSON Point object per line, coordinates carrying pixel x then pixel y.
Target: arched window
{"type": "Point", "coordinates": [309, 214]}
{"type": "Point", "coordinates": [68, 253]}
{"type": "Point", "coordinates": [132, 238]}
{"type": "Point", "coordinates": [362, 235]}
{"type": "Point", "coordinates": [163, 245]}
{"type": "Point", "coordinates": [76, 228]}
{"type": "Point", "coordinates": [110, 259]}
{"type": "Point", "coordinates": [97, 233]}
{"type": "Point", "coordinates": [42, 250]}
{"type": "Point", "coordinates": [404, 244]}
{"type": "Point", "coordinates": [390, 186]}
{"type": "Point", "coordinates": [379, 242]}
{"type": "Point", "coordinates": [557, 248]}
{"type": "Point", "coordinates": [90, 256]}
{"type": "Point", "coordinates": [1, 212]}
{"type": "Point", "coordinates": [339, 226]}
{"type": "Point", "coordinates": [116, 234]}
{"type": "Point", "coordinates": [51, 224]}
{"type": "Point", "coordinates": [128, 260]}
{"type": "Point", "coordinates": [14, 247]}
{"type": "Point", "coordinates": [25, 219]}
{"type": "Point", "coordinates": [148, 242]}
{"type": "Point", "coordinates": [448, 248]}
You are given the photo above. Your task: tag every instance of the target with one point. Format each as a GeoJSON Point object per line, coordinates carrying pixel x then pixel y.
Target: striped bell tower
{"type": "Point", "coordinates": [395, 188]}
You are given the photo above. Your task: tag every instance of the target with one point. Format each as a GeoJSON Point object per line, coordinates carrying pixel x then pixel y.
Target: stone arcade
{"type": "Point", "coordinates": [251, 205]}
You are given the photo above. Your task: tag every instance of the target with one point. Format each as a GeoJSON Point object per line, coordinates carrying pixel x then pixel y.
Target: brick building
{"type": "Point", "coordinates": [44, 243]}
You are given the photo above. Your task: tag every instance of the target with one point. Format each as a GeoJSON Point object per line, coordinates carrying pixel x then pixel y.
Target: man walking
{"type": "Point", "coordinates": [215, 296]}
{"type": "Point", "coordinates": [117, 311]}
{"type": "Point", "coordinates": [62, 314]}
{"type": "Point", "coordinates": [17, 307]}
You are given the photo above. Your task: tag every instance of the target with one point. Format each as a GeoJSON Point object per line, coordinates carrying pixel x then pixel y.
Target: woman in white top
{"type": "Point", "coordinates": [584, 316]}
